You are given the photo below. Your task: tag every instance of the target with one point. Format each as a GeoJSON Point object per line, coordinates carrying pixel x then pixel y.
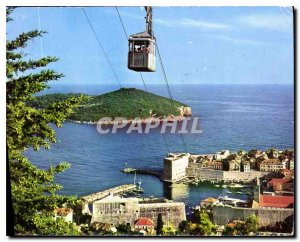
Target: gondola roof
{"type": "Point", "coordinates": [144, 34]}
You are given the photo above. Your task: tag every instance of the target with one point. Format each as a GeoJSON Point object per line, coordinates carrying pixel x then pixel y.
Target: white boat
{"type": "Point", "coordinates": [235, 186]}
{"type": "Point", "coordinates": [217, 185]}
{"type": "Point", "coordinates": [224, 186]}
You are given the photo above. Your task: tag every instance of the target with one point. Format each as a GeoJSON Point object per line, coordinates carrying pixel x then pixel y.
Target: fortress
{"type": "Point", "coordinates": [117, 210]}
{"type": "Point", "coordinates": [180, 166]}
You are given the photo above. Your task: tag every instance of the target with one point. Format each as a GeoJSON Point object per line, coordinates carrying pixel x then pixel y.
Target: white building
{"type": "Point", "coordinates": [222, 154]}
{"type": "Point", "coordinates": [247, 167]}
{"type": "Point", "coordinates": [291, 164]}
{"type": "Point", "coordinates": [174, 167]}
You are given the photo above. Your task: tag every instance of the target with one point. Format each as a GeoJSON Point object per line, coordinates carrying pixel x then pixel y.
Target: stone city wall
{"type": "Point", "coordinates": [267, 216]}
{"type": "Point", "coordinates": [172, 213]}
{"type": "Point", "coordinates": [128, 212]}
{"type": "Point", "coordinates": [116, 212]}
{"type": "Point", "coordinates": [194, 170]}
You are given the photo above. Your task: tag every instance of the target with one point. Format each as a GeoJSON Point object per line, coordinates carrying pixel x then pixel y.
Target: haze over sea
{"type": "Point", "coordinates": [232, 117]}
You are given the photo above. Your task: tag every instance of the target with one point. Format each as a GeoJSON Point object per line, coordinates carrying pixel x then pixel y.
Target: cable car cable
{"type": "Point", "coordinates": [39, 23]}
{"type": "Point", "coordinates": [96, 36]}
{"type": "Point", "coordinates": [164, 74]}
{"type": "Point", "coordinates": [143, 80]}
{"type": "Point", "coordinates": [122, 23]}
{"type": "Point", "coordinates": [169, 91]}
{"type": "Point", "coordinates": [165, 77]}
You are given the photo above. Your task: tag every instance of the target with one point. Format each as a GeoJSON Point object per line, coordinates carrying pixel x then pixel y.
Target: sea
{"type": "Point", "coordinates": [232, 117]}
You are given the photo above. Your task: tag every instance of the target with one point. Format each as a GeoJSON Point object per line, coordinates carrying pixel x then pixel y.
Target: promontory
{"type": "Point", "coordinates": [128, 103]}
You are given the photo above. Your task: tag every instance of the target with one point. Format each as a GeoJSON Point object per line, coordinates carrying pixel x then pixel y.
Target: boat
{"type": "Point", "coordinates": [138, 188]}
{"type": "Point", "coordinates": [217, 185]}
{"type": "Point", "coordinates": [235, 186]}
{"type": "Point", "coordinates": [231, 201]}
{"type": "Point", "coordinates": [224, 186]}
{"type": "Point", "coordinates": [128, 170]}
{"type": "Point", "coordinates": [228, 192]}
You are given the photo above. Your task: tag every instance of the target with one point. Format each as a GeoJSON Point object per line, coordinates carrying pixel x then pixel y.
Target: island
{"type": "Point", "coordinates": [128, 103]}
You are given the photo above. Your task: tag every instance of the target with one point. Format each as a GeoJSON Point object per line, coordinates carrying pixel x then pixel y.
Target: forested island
{"type": "Point", "coordinates": [125, 102]}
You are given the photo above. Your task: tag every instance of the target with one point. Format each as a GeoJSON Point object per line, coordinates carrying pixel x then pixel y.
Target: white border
{"type": "Point", "coordinates": [5, 3]}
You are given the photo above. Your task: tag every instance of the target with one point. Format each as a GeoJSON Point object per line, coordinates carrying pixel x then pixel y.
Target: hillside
{"type": "Point", "coordinates": [125, 102]}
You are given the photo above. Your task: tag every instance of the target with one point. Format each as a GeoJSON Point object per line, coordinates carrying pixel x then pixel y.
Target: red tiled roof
{"type": "Point", "coordinates": [276, 201]}
{"type": "Point", "coordinates": [284, 180]}
{"type": "Point", "coordinates": [144, 222]}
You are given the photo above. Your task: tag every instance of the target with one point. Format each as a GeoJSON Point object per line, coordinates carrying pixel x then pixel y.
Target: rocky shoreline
{"type": "Point", "coordinates": [184, 112]}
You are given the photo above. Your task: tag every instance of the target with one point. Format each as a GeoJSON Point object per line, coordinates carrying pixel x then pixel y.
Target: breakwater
{"type": "Point", "coordinates": [100, 195]}
{"type": "Point", "coordinates": [154, 172]}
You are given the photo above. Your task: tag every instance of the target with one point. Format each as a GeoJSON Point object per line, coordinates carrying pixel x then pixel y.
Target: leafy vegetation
{"type": "Point", "coordinates": [33, 191]}
{"type": "Point", "coordinates": [125, 102]}
{"type": "Point", "coordinates": [159, 225]}
{"type": "Point", "coordinates": [251, 225]}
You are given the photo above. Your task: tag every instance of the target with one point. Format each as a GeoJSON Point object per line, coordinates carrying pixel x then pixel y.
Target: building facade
{"type": "Point", "coordinates": [117, 210]}
{"type": "Point", "coordinates": [174, 167]}
{"type": "Point", "coordinates": [271, 165]}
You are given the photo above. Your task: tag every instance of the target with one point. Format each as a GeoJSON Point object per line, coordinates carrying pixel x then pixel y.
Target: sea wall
{"type": "Point", "coordinates": [194, 170]}
{"type": "Point", "coordinates": [116, 212]}
{"type": "Point", "coordinates": [267, 216]}
{"type": "Point", "coordinates": [123, 211]}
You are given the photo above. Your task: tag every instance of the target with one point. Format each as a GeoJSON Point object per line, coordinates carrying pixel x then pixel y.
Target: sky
{"type": "Point", "coordinates": [198, 45]}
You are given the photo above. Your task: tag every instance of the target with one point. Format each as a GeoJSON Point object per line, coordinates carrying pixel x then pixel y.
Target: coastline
{"type": "Point", "coordinates": [119, 121]}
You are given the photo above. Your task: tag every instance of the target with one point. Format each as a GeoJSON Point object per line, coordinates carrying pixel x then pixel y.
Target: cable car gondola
{"type": "Point", "coordinates": [141, 54]}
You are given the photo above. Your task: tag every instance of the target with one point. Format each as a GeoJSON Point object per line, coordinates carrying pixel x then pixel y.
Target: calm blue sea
{"type": "Point", "coordinates": [232, 117]}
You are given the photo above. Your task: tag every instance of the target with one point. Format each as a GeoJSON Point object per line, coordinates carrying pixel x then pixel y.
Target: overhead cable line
{"type": "Point", "coordinates": [101, 47]}
{"type": "Point", "coordinates": [169, 91]}
{"type": "Point", "coordinates": [122, 23]}
{"type": "Point", "coordinates": [41, 41]}
{"type": "Point", "coordinates": [165, 77]}
{"type": "Point", "coordinates": [142, 78]}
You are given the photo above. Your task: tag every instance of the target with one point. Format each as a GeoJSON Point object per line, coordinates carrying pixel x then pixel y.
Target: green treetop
{"type": "Point", "coordinates": [33, 190]}
{"type": "Point", "coordinates": [160, 225]}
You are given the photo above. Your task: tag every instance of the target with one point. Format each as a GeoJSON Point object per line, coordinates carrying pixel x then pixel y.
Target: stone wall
{"type": "Point", "coordinates": [116, 212]}
{"type": "Point", "coordinates": [194, 170]}
{"type": "Point", "coordinates": [174, 168]}
{"type": "Point", "coordinates": [172, 213]}
{"type": "Point", "coordinates": [123, 211]}
{"type": "Point", "coordinates": [272, 216]}
{"type": "Point", "coordinates": [242, 176]}
{"type": "Point", "coordinates": [222, 215]}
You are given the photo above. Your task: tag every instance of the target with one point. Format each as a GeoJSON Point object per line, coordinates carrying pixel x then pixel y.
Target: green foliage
{"type": "Point", "coordinates": [34, 191]}
{"type": "Point", "coordinates": [160, 225]}
{"type": "Point", "coordinates": [206, 226]}
{"type": "Point", "coordinates": [229, 231]}
{"type": "Point", "coordinates": [47, 225]}
{"type": "Point", "coordinates": [251, 225]}
{"type": "Point", "coordinates": [125, 102]}
{"type": "Point", "coordinates": [124, 228]}
{"type": "Point", "coordinates": [183, 226]}
{"type": "Point", "coordinates": [169, 230]}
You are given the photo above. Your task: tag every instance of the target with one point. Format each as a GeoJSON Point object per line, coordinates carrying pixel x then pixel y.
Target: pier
{"type": "Point", "coordinates": [100, 195]}
{"type": "Point", "coordinates": [153, 172]}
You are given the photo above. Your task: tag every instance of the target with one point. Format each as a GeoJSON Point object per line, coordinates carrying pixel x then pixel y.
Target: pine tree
{"type": "Point", "coordinates": [33, 190]}
{"type": "Point", "coordinates": [160, 225]}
